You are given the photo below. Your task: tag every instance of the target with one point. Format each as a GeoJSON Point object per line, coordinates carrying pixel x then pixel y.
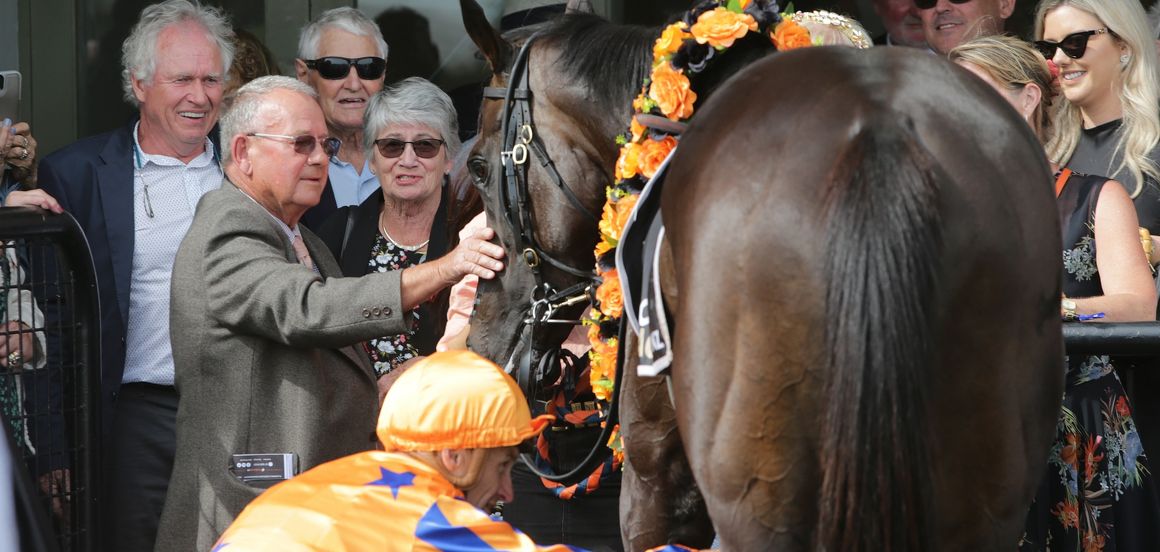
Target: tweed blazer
{"type": "Point", "coordinates": [264, 358]}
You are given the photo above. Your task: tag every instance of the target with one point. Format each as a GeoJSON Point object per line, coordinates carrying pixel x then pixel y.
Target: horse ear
{"type": "Point", "coordinates": [486, 38]}
{"type": "Point", "coordinates": [579, 6]}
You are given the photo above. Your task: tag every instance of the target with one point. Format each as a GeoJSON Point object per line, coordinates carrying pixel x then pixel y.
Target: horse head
{"type": "Point", "coordinates": [545, 153]}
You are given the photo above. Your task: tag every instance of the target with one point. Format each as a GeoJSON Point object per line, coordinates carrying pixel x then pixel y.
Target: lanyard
{"type": "Point", "coordinates": [1061, 181]}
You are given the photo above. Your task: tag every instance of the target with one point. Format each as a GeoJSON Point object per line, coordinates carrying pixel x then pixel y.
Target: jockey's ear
{"type": "Point", "coordinates": [486, 38]}
{"type": "Point", "coordinates": [461, 466]}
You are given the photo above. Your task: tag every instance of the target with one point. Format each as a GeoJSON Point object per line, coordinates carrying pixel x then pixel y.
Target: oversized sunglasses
{"type": "Point", "coordinates": [337, 68]}
{"type": "Point", "coordinates": [928, 4]}
{"type": "Point", "coordinates": [1073, 45]}
{"type": "Point", "coordinates": [304, 145]}
{"type": "Point", "coordinates": [392, 147]}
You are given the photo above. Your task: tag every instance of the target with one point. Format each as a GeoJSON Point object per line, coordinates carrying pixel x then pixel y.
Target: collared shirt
{"type": "Point", "coordinates": [371, 501]}
{"type": "Point", "coordinates": [351, 187]}
{"type": "Point", "coordinates": [165, 196]}
{"type": "Point", "coordinates": [291, 233]}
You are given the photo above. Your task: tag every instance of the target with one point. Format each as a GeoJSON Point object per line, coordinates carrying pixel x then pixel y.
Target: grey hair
{"type": "Point", "coordinates": [249, 100]}
{"type": "Point", "coordinates": [139, 52]}
{"type": "Point", "coordinates": [412, 101]}
{"type": "Point", "coordinates": [347, 19]}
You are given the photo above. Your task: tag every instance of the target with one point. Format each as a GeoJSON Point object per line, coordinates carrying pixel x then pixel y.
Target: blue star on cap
{"type": "Point", "coordinates": [394, 480]}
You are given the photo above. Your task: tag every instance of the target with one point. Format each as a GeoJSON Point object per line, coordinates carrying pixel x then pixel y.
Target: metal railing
{"type": "Point", "coordinates": [54, 420]}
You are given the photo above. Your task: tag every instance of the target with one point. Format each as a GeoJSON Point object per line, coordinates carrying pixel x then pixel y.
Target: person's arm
{"type": "Point", "coordinates": [23, 317]}
{"type": "Point", "coordinates": [1129, 291]}
{"type": "Point", "coordinates": [475, 255]}
{"type": "Point", "coordinates": [461, 301]}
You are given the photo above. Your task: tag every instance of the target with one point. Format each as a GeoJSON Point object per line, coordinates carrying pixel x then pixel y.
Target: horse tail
{"type": "Point", "coordinates": [884, 239]}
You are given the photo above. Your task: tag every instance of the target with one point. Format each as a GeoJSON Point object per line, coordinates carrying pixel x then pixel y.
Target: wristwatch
{"type": "Point", "coordinates": [1067, 309]}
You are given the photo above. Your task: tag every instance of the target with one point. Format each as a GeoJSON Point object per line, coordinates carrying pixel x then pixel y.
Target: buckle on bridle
{"type": "Point", "coordinates": [519, 152]}
{"type": "Point", "coordinates": [532, 258]}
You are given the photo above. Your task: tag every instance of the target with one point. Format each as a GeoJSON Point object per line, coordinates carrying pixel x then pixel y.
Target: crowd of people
{"type": "Point", "coordinates": [274, 254]}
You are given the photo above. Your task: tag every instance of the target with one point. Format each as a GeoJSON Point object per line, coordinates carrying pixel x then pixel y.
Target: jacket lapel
{"type": "Point", "coordinates": [115, 188]}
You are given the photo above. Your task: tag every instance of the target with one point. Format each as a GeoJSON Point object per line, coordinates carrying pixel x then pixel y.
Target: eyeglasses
{"type": "Point", "coordinates": [337, 68]}
{"type": "Point", "coordinates": [1073, 45]}
{"type": "Point", "coordinates": [392, 148]}
{"type": "Point", "coordinates": [304, 145]}
{"type": "Point", "coordinates": [928, 4]}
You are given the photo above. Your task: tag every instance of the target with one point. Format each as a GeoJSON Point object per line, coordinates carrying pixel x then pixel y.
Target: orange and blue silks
{"type": "Point", "coordinates": [372, 501]}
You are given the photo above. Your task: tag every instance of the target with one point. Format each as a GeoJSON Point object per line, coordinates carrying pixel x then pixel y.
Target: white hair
{"type": "Point", "coordinates": [412, 101]}
{"type": "Point", "coordinates": [139, 52]}
{"type": "Point", "coordinates": [347, 19]}
{"type": "Point", "coordinates": [249, 101]}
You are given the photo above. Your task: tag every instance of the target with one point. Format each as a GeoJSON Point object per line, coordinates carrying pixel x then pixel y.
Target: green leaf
{"type": "Point", "coordinates": [789, 9]}
{"type": "Point", "coordinates": [734, 6]}
{"type": "Point", "coordinates": [621, 139]}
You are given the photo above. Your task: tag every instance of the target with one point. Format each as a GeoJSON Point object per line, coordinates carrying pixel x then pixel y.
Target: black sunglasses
{"type": "Point", "coordinates": [1073, 45]}
{"type": "Point", "coordinates": [392, 148]}
{"type": "Point", "coordinates": [337, 68]}
{"type": "Point", "coordinates": [928, 4]}
{"type": "Point", "coordinates": [304, 145]}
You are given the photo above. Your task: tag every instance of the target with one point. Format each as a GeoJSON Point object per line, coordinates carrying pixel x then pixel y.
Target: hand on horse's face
{"type": "Point", "coordinates": [474, 255]}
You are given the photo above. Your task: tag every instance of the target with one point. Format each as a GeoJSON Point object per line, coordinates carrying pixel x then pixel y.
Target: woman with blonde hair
{"type": "Point", "coordinates": [1108, 119]}
{"type": "Point", "coordinates": [1097, 491]}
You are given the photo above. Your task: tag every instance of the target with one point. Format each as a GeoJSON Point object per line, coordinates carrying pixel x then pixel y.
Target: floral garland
{"type": "Point", "coordinates": [684, 48]}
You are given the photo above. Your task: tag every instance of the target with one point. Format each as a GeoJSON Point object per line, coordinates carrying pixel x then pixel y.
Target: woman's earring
{"type": "Point", "coordinates": [1124, 58]}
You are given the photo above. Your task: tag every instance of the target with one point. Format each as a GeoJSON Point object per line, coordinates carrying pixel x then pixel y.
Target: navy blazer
{"type": "Point", "coordinates": [92, 179]}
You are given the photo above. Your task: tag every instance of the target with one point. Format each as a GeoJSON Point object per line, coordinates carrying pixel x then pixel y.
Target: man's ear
{"type": "Point", "coordinates": [240, 152]}
{"type": "Point", "coordinates": [300, 70]}
{"type": "Point", "coordinates": [1006, 8]}
{"type": "Point", "coordinates": [138, 88]}
{"type": "Point", "coordinates": [455, 461]}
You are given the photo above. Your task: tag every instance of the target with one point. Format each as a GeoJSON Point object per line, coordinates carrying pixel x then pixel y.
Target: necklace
{"type": "Point", "coordinates": [383, 230]}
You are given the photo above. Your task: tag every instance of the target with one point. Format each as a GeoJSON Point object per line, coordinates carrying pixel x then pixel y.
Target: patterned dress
{"type": "Point", "coordinates": [1098, 492]}
{"type": "Point", "coordinates": [389, 351]}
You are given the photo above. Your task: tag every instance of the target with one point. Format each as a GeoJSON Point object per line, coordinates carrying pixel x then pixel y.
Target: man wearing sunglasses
{"type": "Point", "coordinates": [343, 57]}
{"type": "Point", "coordinates": [948, 23]}
{"type": "Point", "coordinates": [266, 356]}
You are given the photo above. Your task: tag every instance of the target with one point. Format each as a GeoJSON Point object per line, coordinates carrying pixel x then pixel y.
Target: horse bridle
{"type": "Point", "coordinates": [520, 141]}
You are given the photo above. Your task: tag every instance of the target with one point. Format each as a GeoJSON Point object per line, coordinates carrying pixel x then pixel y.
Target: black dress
{"type": "Point", "coordinates": [1098, 492]}
{"type": "Point", "coordinates": [1096, 155]}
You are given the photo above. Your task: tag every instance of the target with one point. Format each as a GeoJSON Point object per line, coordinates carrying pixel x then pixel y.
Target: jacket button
{"type": "Point", "coordinates": [386, 311]}
{"type": "Point", "coordinates": [366, 313]}
{"type": "Point", "coordinates": [377, 311]}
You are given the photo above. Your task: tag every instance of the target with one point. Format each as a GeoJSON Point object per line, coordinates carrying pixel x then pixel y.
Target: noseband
{"type": "Point", "coordinates": [520, 141]}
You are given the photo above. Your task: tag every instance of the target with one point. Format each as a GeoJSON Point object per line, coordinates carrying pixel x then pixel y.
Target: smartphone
{"type": "Point", "coordinates": [10, 95]}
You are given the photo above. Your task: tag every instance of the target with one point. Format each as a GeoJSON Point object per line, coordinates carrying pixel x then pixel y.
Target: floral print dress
{"type": "Point", "coordinates": [389, 351]}
{"type": "Point", "coordinates": [1098, 492]}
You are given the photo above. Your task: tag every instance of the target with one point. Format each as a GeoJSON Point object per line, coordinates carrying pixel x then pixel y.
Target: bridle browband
{"type": "Point", "coordinates": [519, 142]}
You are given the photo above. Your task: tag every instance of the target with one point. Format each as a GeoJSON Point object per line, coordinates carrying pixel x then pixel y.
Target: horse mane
{"type": "Point", "coordinates": [613, 60]}
{"type": "Point", "coordinates": [883, 236]}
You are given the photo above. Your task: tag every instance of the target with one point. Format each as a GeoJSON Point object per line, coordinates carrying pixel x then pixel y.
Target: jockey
{"type": "Point", "coordinates": [450, 427]}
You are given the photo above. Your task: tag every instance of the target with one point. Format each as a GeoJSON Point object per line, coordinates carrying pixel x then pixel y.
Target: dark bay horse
{"type": "Point", "coordinates": [862, 265]}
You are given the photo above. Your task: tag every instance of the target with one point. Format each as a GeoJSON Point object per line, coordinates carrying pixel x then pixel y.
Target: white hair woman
{"type": "Point", "coordinates": [411, 135]}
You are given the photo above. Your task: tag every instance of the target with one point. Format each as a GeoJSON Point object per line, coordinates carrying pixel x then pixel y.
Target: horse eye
{"type": "Point", "coordinates": [479, 170]}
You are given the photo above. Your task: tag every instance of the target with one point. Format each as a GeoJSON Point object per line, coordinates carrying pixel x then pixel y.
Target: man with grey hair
{"type": "Point", "coordinates": [134, 191]}
{"type": "Point", "coordinates": [343, 56]}
{"type": "Point", "coordinates": [271, 379]}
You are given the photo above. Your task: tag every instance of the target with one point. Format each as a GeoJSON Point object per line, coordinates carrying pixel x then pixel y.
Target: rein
{"type": "Point", "coordinates": [520, 141]}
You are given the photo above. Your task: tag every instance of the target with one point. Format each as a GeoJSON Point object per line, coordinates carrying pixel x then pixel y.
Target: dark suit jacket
{"type": "Point", "coordinates": [356, 256]}
{"type": "Point", "coordinates": [264, 358]}
{"type": "Point", "coordinates": [92, 179]}
{"type": "Point", "coordinates": [317, 215]}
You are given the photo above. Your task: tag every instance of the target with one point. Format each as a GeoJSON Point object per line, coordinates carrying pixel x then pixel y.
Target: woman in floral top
{"type": "Point", "coordinates": [1098, 492]}
{"type": "Point", "coordinates": [411, 135]}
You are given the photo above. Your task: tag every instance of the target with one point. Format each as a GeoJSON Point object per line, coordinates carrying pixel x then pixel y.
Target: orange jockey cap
{"type": "Point", "coordinates": [456, 400]}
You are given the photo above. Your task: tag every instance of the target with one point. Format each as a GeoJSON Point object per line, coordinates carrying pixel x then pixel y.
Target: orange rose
{"type": "Point", "coordinates": [609, 296]}
{"type": "Point", "coordinates": [636, 129]}
{"type": "Point", "coordinates": [670, 39]}
{"type": "Point", "coordinates": [653, 153]}
{"type": "Point", "coordinates": [599, 345]}
{"type": "Point", "coordinates": [720, 27]}
{"type": "Point", "coordinates": [744, 4]}
{"type": "Point", "coordinates": [789, 35]}
{"type": "Point", "coordinates": [624, 207]}
{"type": "Point", "coordinates": [670, 90]}
{"type": "Point", "coordinates": [627, 165]}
